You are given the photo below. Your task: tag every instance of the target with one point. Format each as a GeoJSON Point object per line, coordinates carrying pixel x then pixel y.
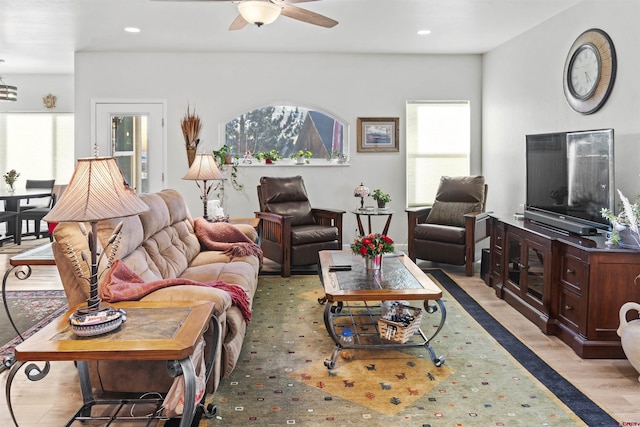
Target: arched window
{"type": "Point", "coordinates": [287, 129]}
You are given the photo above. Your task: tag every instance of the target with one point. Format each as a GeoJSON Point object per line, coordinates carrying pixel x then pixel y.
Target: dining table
{"type": "Point", "coordinates": [12, 204]}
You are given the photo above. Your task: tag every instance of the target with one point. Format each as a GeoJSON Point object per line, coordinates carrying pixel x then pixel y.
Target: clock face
{"type": "Point", "coordinates": [584, 71]}
{"type": "Point", "coordinates": [589, 71]}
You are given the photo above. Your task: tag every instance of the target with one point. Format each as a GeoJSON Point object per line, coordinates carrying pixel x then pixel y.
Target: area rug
{"type": "Point", "coordinates": [281, 377]}
{"type": "Point", "coordinates": [30, 311]}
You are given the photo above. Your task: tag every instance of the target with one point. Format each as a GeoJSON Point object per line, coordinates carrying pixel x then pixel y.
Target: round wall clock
{"type": "Point", "coordinates": [589, 71]}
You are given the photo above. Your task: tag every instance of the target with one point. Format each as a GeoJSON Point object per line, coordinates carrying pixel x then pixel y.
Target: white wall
{"type": "Point", "coordinates": [33, 87]}
{"type": "Point", "coordinates": [522, 93]}
{"type": "Point", "coordinates": [221, 86]}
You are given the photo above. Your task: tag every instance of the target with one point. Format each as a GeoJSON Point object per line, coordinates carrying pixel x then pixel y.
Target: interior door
{"type": "Point", "coordinates": [133, 133]}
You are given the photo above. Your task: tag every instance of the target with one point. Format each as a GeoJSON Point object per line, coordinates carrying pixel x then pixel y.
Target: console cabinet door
{"type": "Point", "coordinates": [527, 281]}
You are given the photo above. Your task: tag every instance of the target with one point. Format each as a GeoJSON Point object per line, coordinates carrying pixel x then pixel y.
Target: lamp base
{"type": "Point", "coordinates": [85, 322]}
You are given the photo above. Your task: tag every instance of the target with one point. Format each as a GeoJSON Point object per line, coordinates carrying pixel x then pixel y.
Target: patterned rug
{"type": "Point", "coordinates": [30, 311]}
{"type": "Point", "coordinates": [281, 377]}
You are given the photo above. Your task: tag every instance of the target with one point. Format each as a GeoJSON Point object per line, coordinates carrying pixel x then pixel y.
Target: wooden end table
{"type": "Point", "coordinates": [159, 330]}
{"type": "Point", "coordinates": [354, 298]}
{"type": "Point", "coordinates": [254, 222]}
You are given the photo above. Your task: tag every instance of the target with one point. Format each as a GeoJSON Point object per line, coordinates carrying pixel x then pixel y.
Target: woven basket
{"type": "Point", "coordinates": [398, 332]}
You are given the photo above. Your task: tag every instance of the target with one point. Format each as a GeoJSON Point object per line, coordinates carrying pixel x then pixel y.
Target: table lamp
{"type": "Point", "coordinates": [362, 192]}
{"type": "Point", "coordinates": [204, 168]}
{"type": "Point", "coordinates": [97, 191]}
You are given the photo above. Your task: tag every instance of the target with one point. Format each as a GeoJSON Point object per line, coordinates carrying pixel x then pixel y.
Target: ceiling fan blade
{"type": "Point", "coordinates": [308, 16]}
{"type": "Point", "coordinates": [238, 23]}
{"type": "Point", "coordinates": [184, 1]}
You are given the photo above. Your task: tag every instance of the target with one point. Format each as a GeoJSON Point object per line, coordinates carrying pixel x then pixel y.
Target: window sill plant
{"type": "Point", "coordinates": [225, 159]}
{"type": "Point", "coordinates": [302, 157]}
{"type": "Point", "coordinates": [336, 156]}
{"type": "Point", "coordinates": [269, 157]}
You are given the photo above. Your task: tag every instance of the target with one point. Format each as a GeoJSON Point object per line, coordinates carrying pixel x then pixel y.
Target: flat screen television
{"type": "Point", "coordinates": [569, 179]}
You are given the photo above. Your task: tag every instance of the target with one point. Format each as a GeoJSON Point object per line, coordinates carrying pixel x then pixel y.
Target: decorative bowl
{"type": "Point", "coordinates": [101, 322]}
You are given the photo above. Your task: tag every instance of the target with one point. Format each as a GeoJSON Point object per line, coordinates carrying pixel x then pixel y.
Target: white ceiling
{"type": "Point", "coordinates": [41, 36]}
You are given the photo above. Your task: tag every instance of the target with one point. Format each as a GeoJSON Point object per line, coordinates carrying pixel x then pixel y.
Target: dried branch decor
{"type": "Point", "coordinates": [191, 125]}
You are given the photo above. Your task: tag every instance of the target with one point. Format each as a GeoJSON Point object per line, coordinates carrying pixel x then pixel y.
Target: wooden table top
{"type": "Point", "coordinates": [399, 279]}
{"type": "Point", "coordinates": [158, 330]}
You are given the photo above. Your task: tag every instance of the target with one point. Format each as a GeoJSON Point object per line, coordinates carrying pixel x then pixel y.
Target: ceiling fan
{"type": "Point", "coordinates": [261, 12]}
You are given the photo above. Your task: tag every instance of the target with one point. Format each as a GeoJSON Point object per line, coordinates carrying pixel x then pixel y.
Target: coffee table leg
{"type": "Point", "coordinates": [329, 309]}
{"type": "Point", "coordinates": [430, 309]}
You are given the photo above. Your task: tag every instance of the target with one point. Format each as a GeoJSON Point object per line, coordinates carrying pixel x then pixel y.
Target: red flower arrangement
{"type": "Point", "coordinates": [372, 245]}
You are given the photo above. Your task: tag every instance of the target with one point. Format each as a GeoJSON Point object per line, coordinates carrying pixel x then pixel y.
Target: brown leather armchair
{"type": "Point", "coordinates": [291, 231]}
{"type": "Point", "coordinates": [448, 231]}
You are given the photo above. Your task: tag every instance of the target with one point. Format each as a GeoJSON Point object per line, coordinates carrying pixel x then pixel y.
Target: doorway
{"type": "Point", "coordinates": [133, 133]}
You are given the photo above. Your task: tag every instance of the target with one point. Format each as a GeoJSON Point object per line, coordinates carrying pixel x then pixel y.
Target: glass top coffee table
{"type": "Point", "coordinates": [357, 297]}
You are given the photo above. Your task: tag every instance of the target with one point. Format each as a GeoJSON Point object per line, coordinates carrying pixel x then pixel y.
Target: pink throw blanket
{"type": "Point", "coordinates": [124, 284]}
{"type": "Point", "coordinates": [225, 237]}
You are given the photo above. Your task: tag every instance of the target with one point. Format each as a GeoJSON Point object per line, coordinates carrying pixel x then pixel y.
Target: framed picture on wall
{"type": "Point", "coordinates": [378, 134]}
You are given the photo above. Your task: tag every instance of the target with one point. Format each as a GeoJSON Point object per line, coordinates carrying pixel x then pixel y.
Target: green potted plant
{"type": "Point", "coordinates": [225, 159]}
{"type": "Point", "coordinates": [337, 156]}
{"type": "Point", "coordinates": [624, 226]}
{"type": "Point", "coordinates": [225, 156]}
{"type": "Point", "coordinates": [269, 157]}
{"type": "Point", "coordinates": [381, 197]}
{"type": "Point", "coordinates": [302, 156]}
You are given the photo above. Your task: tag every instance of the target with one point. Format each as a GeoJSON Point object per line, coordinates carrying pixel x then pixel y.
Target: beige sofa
{"type": "Point", "coordinates": [161, 244]}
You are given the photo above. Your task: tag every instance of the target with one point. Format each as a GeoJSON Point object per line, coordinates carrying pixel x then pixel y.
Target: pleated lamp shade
{"type": "Point", "coordinates": [204, 168]}
{"type": "Point", "coordinates": [97, 191]}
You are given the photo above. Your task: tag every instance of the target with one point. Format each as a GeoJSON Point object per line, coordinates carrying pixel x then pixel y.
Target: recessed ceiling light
{"type": "Point", "coordinates": [132, 30]}
{"type": "Point", "coordinates": [424, 32]}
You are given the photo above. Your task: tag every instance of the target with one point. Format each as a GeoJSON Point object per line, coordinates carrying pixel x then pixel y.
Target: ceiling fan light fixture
{"type": "Point", "coordinates": [259, 12]}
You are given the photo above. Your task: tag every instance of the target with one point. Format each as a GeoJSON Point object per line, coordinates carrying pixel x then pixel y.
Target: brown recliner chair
{"type": "Point", "coordinates": [291, 231]}
{"type": "Point", "coordinates": [448, 231]}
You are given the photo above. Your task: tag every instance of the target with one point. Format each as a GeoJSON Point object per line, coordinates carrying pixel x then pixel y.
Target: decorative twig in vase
{"type": "Point", "coordinates": [190, 125]}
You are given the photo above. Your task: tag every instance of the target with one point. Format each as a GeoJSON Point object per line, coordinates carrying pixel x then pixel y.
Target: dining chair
{"type": "Point", "coordinates": [37, 184]}
{"type": "Point", "coordinates": [8, 218]}
{"type": "Point", "coordinates": [37, 203]}
{"type": "Point", "coordinates": [36, 214]}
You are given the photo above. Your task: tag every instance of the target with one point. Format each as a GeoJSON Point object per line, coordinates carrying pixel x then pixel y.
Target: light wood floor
{"type": "Point", "coordinates": [613, 384]}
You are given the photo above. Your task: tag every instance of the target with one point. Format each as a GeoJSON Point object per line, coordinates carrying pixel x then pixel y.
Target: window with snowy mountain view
{"type": "Point", "coordinates": [288, 130]}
